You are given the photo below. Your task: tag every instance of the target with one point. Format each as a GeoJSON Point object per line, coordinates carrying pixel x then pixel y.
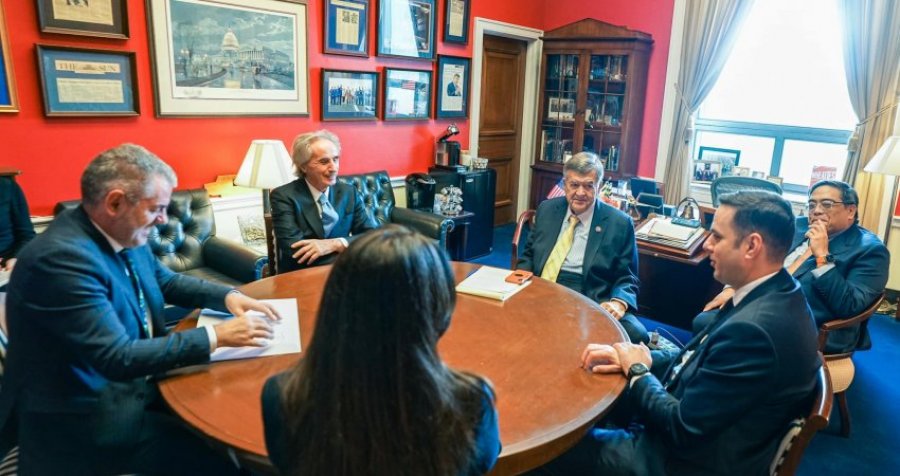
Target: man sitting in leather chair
{"type": "Point", "coordinates": [841, 266]}
{"type": "Point", "coordinates": [315, 216]}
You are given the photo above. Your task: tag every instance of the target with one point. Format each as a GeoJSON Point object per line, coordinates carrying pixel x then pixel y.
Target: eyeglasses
{"type": "Point", "coordinates": [826, 204]}
{"type": "Point", "coordinates": [573, 185]}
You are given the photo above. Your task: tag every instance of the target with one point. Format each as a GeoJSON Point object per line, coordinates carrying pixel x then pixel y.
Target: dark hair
{"type": "Point", "coordinates": [371, 395]}
{"type": "Point", "coordinates": [129, 167]}
{"type": "Point", "coordinates": [765, 213]}
{"type": "Point", "coordinates": [848, 193]}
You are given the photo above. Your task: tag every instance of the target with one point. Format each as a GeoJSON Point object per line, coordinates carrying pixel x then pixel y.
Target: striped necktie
{"type": "Point", "coordinates": [329, 216]}
{"type": "Point", "coordinates": [136, 284]}
{"type": "Point", "coordinates": [560, 251]}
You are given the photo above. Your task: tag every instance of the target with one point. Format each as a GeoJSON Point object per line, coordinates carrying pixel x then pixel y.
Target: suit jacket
{"type": "Point", "coordinates": [753, 370]}
{"type": "Point", "coordinates": [15, 223]}
{"type": "Point", "coordinates": [75, 344]}
{"type": "Point", "coordinates": [860, 274]}
{"type": "Point", "coordinates": [484, 455]}
{"type": "Point", "coordinates": [295, 217]}
{"type": "Point", "coordinates": [610, 257]}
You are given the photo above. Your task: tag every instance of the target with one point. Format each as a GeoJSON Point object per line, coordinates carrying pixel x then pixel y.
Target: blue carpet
{"type": "Point", "coordinates": [873, 398]}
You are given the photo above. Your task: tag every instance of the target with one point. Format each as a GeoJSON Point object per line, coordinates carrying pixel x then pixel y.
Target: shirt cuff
{"type": "Point", "coordinates": [213, 341]}
{"type": "Point", "coordinates": [621, 302]}
{"type": "Point", "coordinates": [818, 272]}
{"type": "Point", "coordinates": [344, 241]}
{"type": "Point", "coordinates": [635, 379]}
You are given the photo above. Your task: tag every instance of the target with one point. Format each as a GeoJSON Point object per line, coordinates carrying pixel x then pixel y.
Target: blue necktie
{"type": "Point", "coordinates": [136, 284]}
{"type": "Point", "coordinates": [329, 216]}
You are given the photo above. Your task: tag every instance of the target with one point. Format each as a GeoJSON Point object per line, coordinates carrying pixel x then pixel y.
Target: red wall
{"type": "Point", "coordinates": [52, 152]}
{"type": "Point", "coordinates": [649, 16]}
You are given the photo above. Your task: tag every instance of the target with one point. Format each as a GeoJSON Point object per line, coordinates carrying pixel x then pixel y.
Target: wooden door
{"type": "Point", "coordinates": [500, 128]}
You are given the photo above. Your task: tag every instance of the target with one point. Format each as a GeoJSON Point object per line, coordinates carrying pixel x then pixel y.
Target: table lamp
{"type": "Point", "coordinates": [887, 162]}
{"type": "Point", "coordinates": [267, 165]}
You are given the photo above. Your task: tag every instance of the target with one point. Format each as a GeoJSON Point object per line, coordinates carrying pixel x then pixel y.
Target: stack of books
{"type": "Point", "coordinates": [661, 231]}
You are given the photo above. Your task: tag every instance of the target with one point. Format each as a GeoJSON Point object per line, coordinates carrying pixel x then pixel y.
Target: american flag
{"type": "Point", "coordinates": [557, 190]}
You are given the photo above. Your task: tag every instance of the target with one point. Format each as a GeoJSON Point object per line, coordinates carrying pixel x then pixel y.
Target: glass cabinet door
{"type": "Point", "coordinates": [560, 97]}
{"type": "Point", "coordinates": [604, 104]}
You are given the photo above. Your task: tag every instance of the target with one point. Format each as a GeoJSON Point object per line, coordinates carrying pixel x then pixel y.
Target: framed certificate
{"type": "Point", "coordinates": [106, 18]}
{"type": "Point", "coordinates": [346, 27]}
{"type": "Point", "coordinates": [84, 82]}
{"type": "Point", "coordinates": [456, 21]}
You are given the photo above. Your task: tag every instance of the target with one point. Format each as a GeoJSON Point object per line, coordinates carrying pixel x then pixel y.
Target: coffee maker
{"type": "Point", "coordinates": [420, 191]}
{"type": "Point", "coordinates": [446, 152]}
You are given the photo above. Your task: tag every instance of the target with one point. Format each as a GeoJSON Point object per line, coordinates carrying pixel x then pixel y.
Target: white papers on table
{"type": "Point", "coordinates": [285, 341]}
{"type": "Point", "coordinates": [662, 230]}
{"type": "Point", "coordinates": [491, 283]}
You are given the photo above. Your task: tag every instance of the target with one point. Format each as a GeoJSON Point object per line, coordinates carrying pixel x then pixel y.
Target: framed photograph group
{"type": "Point", "coordinates": [349, 95]}
{"type": "Point", "coordinates": [456, 21]}
{"type": "Point", "coordinates": [86, 82]}
{"type": "Point", "coordinates": [106, 18]}
{"type": "Point", "coordinates": [406, 28]}
{"type": "Point", "coordinates": [728, 158]}
{"type": "Point", "coordinates": [230, 57]}
{"type": "Point", "coordinates": [407, 94]}
{"type": "Point", "coordinates": [453, 86]}
{"type": "Point", "coordinates": [347, 27]}
{"type": "Point", "coordinates": [8, 99]}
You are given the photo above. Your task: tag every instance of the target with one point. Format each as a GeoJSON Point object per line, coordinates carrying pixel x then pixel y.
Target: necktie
{"type": "Point", "coordinates": [329, 216]}
{"type": "Point", "coordinates": [560, 251]}
{"type": "Point", "coordinates": [136, 284]}
{"type": "Point", "coordinates": [800, 260]}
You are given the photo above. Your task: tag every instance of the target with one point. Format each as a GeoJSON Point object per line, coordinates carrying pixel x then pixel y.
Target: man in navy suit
{"type": "Point", "coordinates": [314, 216]}
{"type": "Point", "coordinates": [87, 333]}
{"type": "Point", "coordinates": [601, 261]}
{"type": "Point", "coordinates": [726, 399]}
{"type": "Point", "coordinates": [841, 267]}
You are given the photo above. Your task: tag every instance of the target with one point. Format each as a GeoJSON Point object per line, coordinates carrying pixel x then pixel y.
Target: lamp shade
{"type": "Point", "coordinates": [887, 160]}
{"type": "Point", "coordinates": [267, 165]}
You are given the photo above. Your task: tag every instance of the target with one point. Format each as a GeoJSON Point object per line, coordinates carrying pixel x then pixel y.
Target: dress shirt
{"type": "Point", "coordinates": [117, 247]}
{"type": "Point", "coordinates": [742, 292]}
{"type": "Point", "coordinates": [574, 261]}
{"type": "Point", "coordinates": [801, 248]}
{"type": "Point", "coordinates": [315, 195]}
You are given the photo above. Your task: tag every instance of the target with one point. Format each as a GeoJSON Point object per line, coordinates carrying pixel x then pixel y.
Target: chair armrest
{"type": "Point", "coordinates": [429, 224]}
{"type": "Point", "coordinates": [234, 260]}
{"type": "Point", "coordinates": [526, 217]}
{"type": "Point", "coordinates": [861, 318]}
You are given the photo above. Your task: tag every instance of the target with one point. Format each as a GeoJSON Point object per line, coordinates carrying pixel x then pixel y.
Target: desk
{"type": "Point", "coordinates": [529, 347]}
{"type": "Point", "coordinates": [674, 289]}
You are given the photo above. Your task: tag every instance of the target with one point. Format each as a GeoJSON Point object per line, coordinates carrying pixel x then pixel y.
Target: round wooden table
{"type": "Point", "coordinates": [529, 347]}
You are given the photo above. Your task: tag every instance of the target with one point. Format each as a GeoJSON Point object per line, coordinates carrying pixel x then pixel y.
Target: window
{"type": "Point", "coordinates": [782, 97]}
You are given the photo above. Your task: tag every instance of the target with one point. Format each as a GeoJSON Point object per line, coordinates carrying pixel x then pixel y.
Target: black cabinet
{"type": "Point", "coordinates": [478, 188]}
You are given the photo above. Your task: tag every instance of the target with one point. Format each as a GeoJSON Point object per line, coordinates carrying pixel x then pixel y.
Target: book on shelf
{"type": "Point", "coordinates": [490, 282]}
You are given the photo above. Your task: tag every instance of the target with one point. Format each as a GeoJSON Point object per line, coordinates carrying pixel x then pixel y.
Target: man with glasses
{"type": "Point", "coordinates": [842, 267]}
{"type": "Point", "coordinates": [586, 245]}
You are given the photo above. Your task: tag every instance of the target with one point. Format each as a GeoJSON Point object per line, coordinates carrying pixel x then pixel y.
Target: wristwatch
{"type": "Point", "coordinates": [823, 260]}
{"type": "Point", "coordinates": [636, 370]}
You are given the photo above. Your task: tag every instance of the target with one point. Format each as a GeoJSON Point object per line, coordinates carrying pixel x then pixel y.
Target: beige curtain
{"type": "Point", "coordinates": [710, 30]}
{"type": "Point", "coordinates": [871, 58]}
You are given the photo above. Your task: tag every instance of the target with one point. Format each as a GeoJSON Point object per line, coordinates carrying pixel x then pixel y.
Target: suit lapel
{"type": "Point", "coordinates": [309, 208]}
{"type": "Point", "coordinates": [595, 235]}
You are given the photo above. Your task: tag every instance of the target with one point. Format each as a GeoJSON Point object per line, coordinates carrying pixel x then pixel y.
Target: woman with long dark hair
{"type": "Point", "coordinates": [371, 395]}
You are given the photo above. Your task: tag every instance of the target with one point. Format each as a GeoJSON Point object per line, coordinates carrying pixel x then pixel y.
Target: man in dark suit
{"type": "Point", "coordinates": [314, 216]}
{"type": "Point", "coordinates": [729, 395]}
{"type": "Point", "coordinates": [87, 333]}
{"type": "Point", "coordinates": [841, 267]}
{"type": "Point", "coordinates": [598, 257]}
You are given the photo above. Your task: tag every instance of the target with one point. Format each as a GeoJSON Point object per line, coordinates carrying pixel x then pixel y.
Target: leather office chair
{"type": "Point", "coordinates": [188, 244]}
{"type": "Point", "coordinates": [840, 366]}
{"type": "Point", "coordinates": [801, 431]}
{"type": "Point", "coordinates": [525, 219]}
{"type": "Point", "coordinates": [723, 185]}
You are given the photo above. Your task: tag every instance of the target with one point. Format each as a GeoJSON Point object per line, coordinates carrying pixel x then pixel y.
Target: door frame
{"type": "Point", "coordinates": [534, 47]}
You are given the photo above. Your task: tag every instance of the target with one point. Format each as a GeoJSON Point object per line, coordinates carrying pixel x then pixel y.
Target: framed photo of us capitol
{"type": "Point", "coordinates": [229, 57]}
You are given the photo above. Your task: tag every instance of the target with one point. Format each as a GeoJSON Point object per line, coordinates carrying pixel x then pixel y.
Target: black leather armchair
{"type": "Point", "coordinates": [188, 244]}
{"type": "Point", "coordinates": [378, 197]}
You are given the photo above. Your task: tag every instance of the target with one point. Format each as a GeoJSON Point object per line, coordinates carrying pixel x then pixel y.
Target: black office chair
{"type": "Point", "coordinates": [723, 185]}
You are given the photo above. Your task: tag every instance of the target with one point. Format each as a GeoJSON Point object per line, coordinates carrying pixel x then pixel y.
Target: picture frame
{"type": "Point", "coordinates": [407, 94]}
{"type": "Point", "coordinates": [346, 28]}
{"type": "Point", "coordinates": [81, 82]}
{"type": "Point", "coordinates": [349, 95]}
{"type": "Point", "coordinates": [453, 86]}
{"type": "Point", "coordinates": [740, 171]}
{"type": "Point", "coordinates": [103, 18]}
{"type": "Point", "coordinates": [258, 72]}
{"type": "Point", "coordinates": [759, 174]}
{"type": "Point", "coordinates": [729, 158]}
{"type": "Point", "coordinates": [406, 28]}
{"type": "Point", "coordinates": [566, 109]}
{"type": "Point", "coordinates": [705, 171]}
{"type": "Point", "coordinates": [9, 101]}
{"type": "Point", "coordinates": [456, 21]}
{"type": "Point", "coordinates": [776, 180]}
